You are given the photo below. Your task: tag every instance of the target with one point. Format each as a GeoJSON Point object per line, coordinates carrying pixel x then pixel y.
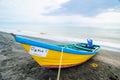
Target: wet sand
{"type": "Point", "coordinates": [16, 64]}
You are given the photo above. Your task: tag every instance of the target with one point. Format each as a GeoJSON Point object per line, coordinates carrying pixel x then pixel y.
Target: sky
{"type": "Point", "coordinates": [95, 13]}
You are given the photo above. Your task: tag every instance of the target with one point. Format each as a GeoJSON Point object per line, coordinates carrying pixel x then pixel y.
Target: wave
{"type": "Point", "coordinates": [112, 46]}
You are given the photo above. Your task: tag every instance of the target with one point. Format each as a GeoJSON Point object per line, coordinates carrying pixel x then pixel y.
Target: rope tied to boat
{"type": "Point", "coordinates": [60, 64]}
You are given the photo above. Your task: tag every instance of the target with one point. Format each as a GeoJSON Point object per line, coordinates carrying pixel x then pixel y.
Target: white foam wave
{"type": "Point", "coordinates": [105, 45]}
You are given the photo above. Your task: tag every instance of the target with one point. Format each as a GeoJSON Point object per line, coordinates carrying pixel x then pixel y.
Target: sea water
{"type": "Point", "coordinates": [107, 37]}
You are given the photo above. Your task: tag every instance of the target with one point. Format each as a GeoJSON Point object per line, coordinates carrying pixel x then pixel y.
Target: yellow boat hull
{"type": "Point", "coordinates": [52, 58]}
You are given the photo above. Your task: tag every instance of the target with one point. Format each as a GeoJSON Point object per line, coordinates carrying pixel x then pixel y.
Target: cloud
{"type": "Point", "coordinates": [105, 19]}
{"type": "Point", "coordinates": [109, 17]}
{"type": "Point", "coordinates": [29, 7]}
{"type": "Point", "coordinates": [31, 12]}
{"type": "Point", "coordinates": [87, 7]}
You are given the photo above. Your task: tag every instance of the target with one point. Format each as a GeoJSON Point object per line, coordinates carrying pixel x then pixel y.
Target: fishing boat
{"type": "Point", "coordinates": [52, 56]}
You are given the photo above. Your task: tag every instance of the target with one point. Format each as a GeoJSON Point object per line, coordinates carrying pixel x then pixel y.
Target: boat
{"type": "Point", "coordinates": [52, 56]}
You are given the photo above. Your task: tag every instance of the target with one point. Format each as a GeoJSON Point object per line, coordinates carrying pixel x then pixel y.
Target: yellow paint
{"type": "Point", "coordinates": [53, 58]}
{"type": "Point", "coordinates": [26, 47]}
{"type": "Point", "coordinates": [94, 65]}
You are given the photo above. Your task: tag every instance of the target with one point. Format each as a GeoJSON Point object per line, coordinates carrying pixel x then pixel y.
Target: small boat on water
{"type": "Point", "coordinates": [52, 56]}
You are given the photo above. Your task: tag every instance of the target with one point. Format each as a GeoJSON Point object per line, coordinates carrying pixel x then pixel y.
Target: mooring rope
{"type": "Point", "coordinates": [59, 69]}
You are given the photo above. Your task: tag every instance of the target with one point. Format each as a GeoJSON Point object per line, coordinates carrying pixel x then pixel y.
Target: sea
{"type": "Point", "coordinates": [107, 37]}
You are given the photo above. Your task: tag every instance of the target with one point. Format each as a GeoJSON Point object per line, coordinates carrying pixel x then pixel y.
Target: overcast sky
{"type": "Point", "coordinates": [60, 12]}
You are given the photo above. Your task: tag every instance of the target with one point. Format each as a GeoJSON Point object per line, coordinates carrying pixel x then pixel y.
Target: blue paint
{"type": "Point", "coordinates": [28, 41]}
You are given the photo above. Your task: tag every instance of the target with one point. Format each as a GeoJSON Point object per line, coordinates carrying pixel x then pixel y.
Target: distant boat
{"type": "Point", "coordinates": [64, 55]}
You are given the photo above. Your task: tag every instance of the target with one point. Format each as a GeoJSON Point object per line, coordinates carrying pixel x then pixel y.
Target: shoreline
{"type": "Point", "coordinates": [16, 64]}
{"type": "Point", "coordinates": [106, 44]}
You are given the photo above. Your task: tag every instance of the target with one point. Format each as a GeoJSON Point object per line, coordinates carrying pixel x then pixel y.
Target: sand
{"type": "Point", "coordinates": [16, 64]}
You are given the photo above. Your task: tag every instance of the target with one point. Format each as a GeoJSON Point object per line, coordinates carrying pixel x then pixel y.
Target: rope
{"type": "Point", "coordinates": [59, 70]}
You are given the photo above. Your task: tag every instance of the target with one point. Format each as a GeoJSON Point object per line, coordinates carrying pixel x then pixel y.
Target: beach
{"type": "Point", "coordinates": [16, 64]}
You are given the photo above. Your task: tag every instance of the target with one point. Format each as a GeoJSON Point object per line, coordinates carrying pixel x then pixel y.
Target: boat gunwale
{"type": "Point", "coordinates": [33, 42]}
